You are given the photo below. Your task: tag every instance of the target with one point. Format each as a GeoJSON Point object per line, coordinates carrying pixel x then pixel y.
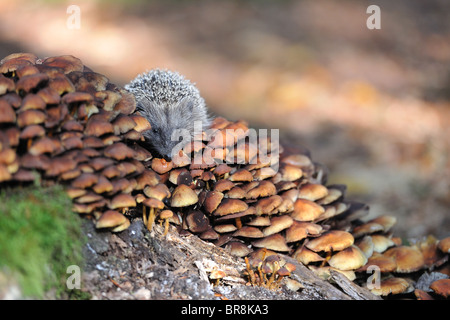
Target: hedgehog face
{"type": "Point", "coordinates": [172, 125]}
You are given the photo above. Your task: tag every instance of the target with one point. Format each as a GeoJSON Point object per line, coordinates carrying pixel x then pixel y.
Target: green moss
{"type": "Point", "coordinates": [40, 237]}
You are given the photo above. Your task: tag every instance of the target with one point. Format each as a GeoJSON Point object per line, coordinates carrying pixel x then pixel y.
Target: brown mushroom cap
{"type": "Point", "coordinates": [230, 206]}
{"type": "Point", "coordinates": [153, 203]}
{"type": "Point", "coordinates": [264, 189]}
{"type": "Point", "coordinates": [274, 242]}
{"type": "Point", "coordinates": [122, 200]}
{"type": "Point", "coordinates": [260, 221]}
{"type": "Point", "coordinates": [225, 228]}
{"type": "Point", "coordinates": [391, 285]}
{"type": "Point", "coordinates": [334, 240]}
{"type": "Point", "coordinates": [241, 175]}
{"type": "Point", "coordinates": [408, 259]}
{"type": "Point", "coordinates": [350, 258]}
{"type": "Point", "coordinates": [385, 264]}
{"type": "Point", "coordinates": [444, 245]}
{"type": "Point", "coordinates": [305, 210]}
{"type": "Point", "coordinates": [300, 230]}
{"type": "Point", "coordinates": [119, 151]}
{"type": "Point", "coordinates": [278, 224]}
{"type": "Point", "coordinates": [161, 166]}
{"type": "Point", "coordinates": [367, 228]}
{"type": "Point", "coordinates": [110, 219]}
{"type": "Point", "coordinates": [212, 200]}
{"type": "Point", "coordinates": [249, 232]}
{"type": "Point", "coordinates": [267, 205]}
{"type": "Point", "coordinates": [183, 196]}
{"type": "Point", "coordinates": [441, 287]}
{"type": "Point", "coordinates": [197, 222]}
{"type": "Point", "coordinates": [238, 249]}
{"type": "Point", "coordinates": [160, 191]}
{"type": "Point", "coordinates": [306, 256]}
{"type": "Point", "coordinates": [30, 117]}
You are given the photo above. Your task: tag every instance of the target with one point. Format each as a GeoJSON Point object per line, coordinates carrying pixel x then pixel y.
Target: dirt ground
{"type": "Point", "coordinates": [372, 105]}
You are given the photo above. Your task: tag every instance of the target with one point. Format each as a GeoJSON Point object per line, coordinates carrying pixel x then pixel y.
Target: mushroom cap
{"type": "Point", "coordinates": [217, 274]}
{"type": "Point", "coordinates": [166, 214]}
{"type": "Point", "coordinates": [122, 200]}
{"type": "Point", "coordinates": [224, 228]}
{"type": "Point", "coordinates": [119, 151]}
{"type": "Point", "coordinates": [161, 166]}
{"type": "Point", "coordinates": [367, 228]}
{"type": "Point", "coordinates": [381, 243]}
{"type": "Point", "coordinates": [110, 219]}
{"type": "Point", "coordinates": [7, 114]}
{"type": "Point", "coordinates": [393, 285]}
{"type": "Point", "coordinates": [259, 221]}
{"type": "Point", "coordinates": [306, 256]}
{"type": "Point", "coordinates": [444, 245]}
{"type": "Point", "coordinates": [408, 259]}
{"type": "Point", "coordinates": [183, 196]}
{"type": "Point", "coordinates": [334, 240]}
{"type": "Point", "coordinates": [274, 242]}
{"type": "Point", "coordinates": [278, 224]}
{"type": "Point", "coordinates": [386, 221]}
{"type": "Point", "coordinates": [97, 127]}
{"type": "Point", "coordinates": [305, 210]}
{"type": "Point", "coordinates": [153, 203]}
{"type": "Point", "coordinates": [312, 191]}
{"type": "Point", "coordinates": [267, 205]}
{"type": "Point", "coordinates": [238, 249]}
{"type": "Point", "coordinates": [350, 258]}
{"type": "Point", "coordinates": [249, 232]}
{"type": "Point", "coordinates": [212, 200]}
{"type": "Point", "coordinates": [300, 230]}
{"type": "Point", "coordinates": [197, 222]}
{"type": "Point", "coordinates": [241, 175]}
{"type": "Point", "coordinates": [160, 191]}
{"type": "Point", "coordinates": [230, 206]}
{"type": "Point", "coordinates": [264, 189]}
{"type": "Point", "coordinates": [385, 264]}
{"type": "Point", "coordinates": [85, 180]}
{"type": "Point", "coordinates": [441, 287]}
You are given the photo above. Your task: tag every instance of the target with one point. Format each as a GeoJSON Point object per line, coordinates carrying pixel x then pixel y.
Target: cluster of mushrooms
{"type": "Point", "coordinates": [61, 122]}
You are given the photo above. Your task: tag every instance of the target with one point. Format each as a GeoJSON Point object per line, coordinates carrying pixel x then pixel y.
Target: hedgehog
{"type": "Point", "coordinates": [173, 106]}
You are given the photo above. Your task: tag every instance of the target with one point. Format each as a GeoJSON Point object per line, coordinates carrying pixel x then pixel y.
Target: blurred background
{"type": "Point", "coordinates": [372, 105]}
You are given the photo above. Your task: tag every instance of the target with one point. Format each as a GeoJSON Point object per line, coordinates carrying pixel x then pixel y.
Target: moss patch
{"type": "Point", "coordinates": [40, 237]}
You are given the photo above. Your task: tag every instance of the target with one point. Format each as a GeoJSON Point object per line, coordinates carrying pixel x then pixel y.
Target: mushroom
{"type": "Point", "coordinates": [166, 215]}
{"type": "Point", "coordinates": [334, 240]}
{"type": "Point", "coordinates": [305, 210]}
{"type": "Point", "coordinates": [393, 285]}
{"type": "Point", "coordinates": [274, 242]}
{"type": "Point", "coordinates": [278, 224]}
{"type": "Point", "coordinates": [154, 205]}
{"type": "Point", "coordinates": [111, 219]}
{"type": "Point", "coordinates": [441, 287]}
{"type": "Point", "coordinates": [350, 258]}
{"type": "Point", "coordinates": [183, 196]}
{"type": "Point", "coordinates": [408, 259]}
{"type": "Point", "coordinates": [217, 275]}
{"type": "Point", "coordinates": [444, 245]}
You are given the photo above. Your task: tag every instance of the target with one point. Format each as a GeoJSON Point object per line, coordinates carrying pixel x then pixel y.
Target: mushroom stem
{"type": "Point", "coordinates": [251, 274]}
{"type": "Point", "coordinates": [238, 223]}
{"type": "Point", "coordinates": [29, 143]}
{"type": "Point", "coordinates": [166, 229]}
{"type": "Point", "coordinates": [151, 218]}
{"type": "Point", "coordinates": [328, 257]}
{"type": "Point", "coordinates": [144, 215]}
